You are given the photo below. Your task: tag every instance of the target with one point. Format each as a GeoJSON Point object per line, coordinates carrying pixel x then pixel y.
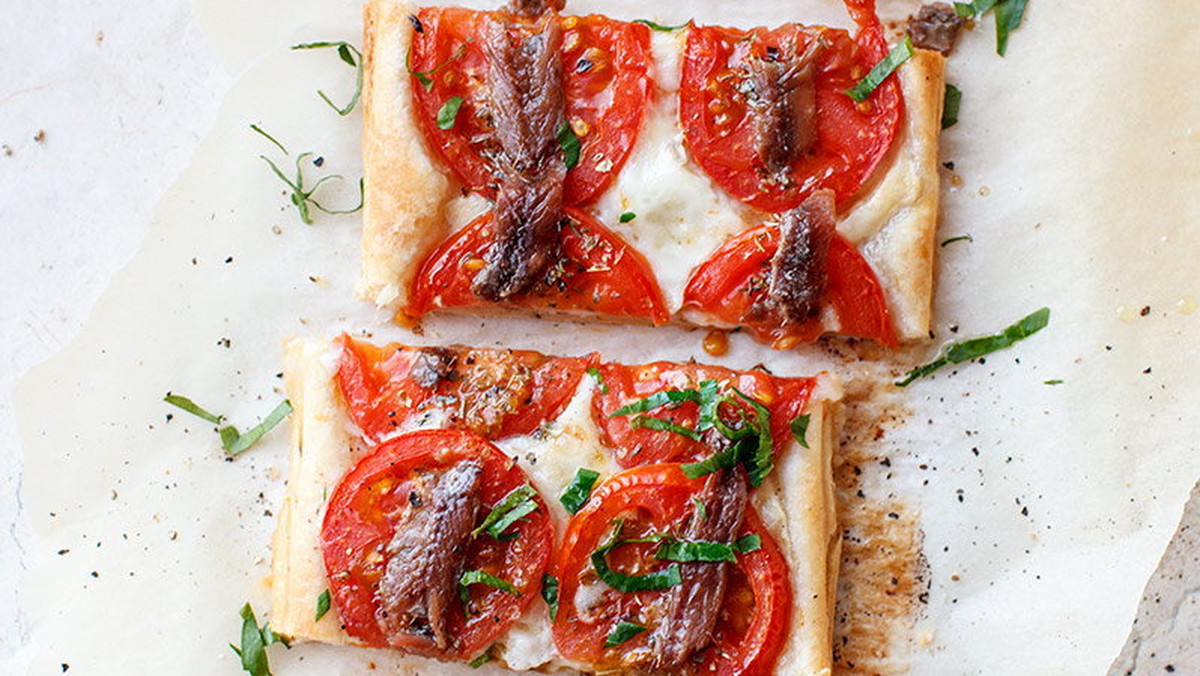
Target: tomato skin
{"type": "Point", "coordinates": [371, 498]}
{"type": "Point", "coordinates": [606, 99]}
{"type": "Point", "coordinates": [852, 138]}
{"type": "Point", "coordinates": [728, 285]}
{"type": "Point", "coordinates": [496, 393]}
{"type": "Point", "coordinates": [654, 498]}
{"type": "Point", "coordinates": [784, 397]}
{"type": "Point", "coordinates": [602, 274]}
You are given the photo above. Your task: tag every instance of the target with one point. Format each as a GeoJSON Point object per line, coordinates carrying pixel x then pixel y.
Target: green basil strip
{"type": "Point", "coordinates": [1008, 19]}
{"type": "Point", "coordinates": [353, 58]}
{"type": "Point", "coordinates": [713, 463]}
{"type": "Point", "coordinates": [762, 461]}
{"type": "Point", "coordinates": [1056, 381]}
{"type": "Point", "coordinates": [323, 603]}
{"type": "Point", "coordinates": [701, 509]}
{"type": "Point", "coordinates": [595, 373]}
{"type": "Point", "coordinates": [660, 27]}
{"type": "Point", "coordinates": [656, 400]}
{"type": "Point", "coordinates": [659, 425]}
{"type": "Point", "coordinates": [550, 594]}
{"type": "Point", "coordinates": [423, 76]}
{"type": "Point", "coordinates": [951, 101]}
{"type": "Point", "coordinates": [975, 348]}
{"type": "Point", "coordinates": [960, 238]}
{"type": "Point", "coordinates": [799, 426]}
{"type": "Point", "coordinates": [481, 660]}
{"type": "Point", "coordinates": [449, 112]}
{"type": "Point", "coordinates": [685, 552]}
{"type": "Point", "coordinates": [622, 633]}
{"type": "Point", "coordinates": [254, 642]}
{"type": "Point", "coordinates": [577, 493]}
{"type": "Point", "coordinates": [748, 543]}
{"type": "Point", "coordinates": [518, 503]}
{"type": "Point", "coordinates": [569, 142]}
{"type": "Point", "coordinates": [969, 10]}
{"type": "Point", "coordinates": [627, 216]}
{"type": "Point", "coordinates": [244, 442]}
{"type": "Point", "coordinates": [180, 401]}
{"type": "Point", "coordinates": [471, 577]}
{"type": "Point", "coordinates": [899, 54]}
{"type": "Point", "coordinates": [709, 401]}
{"type": "Point", "coordinates": [659, 579]}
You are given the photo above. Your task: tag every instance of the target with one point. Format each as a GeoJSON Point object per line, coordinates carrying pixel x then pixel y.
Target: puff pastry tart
{"type": "Point", "coordinates": [558, 513]}
{"type": "Point", "coordinates": [524, 159]}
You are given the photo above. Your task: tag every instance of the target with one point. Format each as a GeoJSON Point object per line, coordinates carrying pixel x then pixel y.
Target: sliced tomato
{"type": "Point", "coordinates": [374, 496]}
{"type": "Point", "coordinates": [494, 393]}
{"type": "Point", "coordinates": [852, 137]}
{"type": "Point", "coordinates": [730, 284]}
{"type": "Point", "coordinates": [657, 499]}
{"type": "Point", "coordinates": [606, 82]}
{"type": "Point", "coordinates": [621, 385]}
{"type": "Point", "coordinates": [599, 274]}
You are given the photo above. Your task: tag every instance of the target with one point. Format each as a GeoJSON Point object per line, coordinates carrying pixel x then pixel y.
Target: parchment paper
{"type": "Point", "coordinates": [1044, 507]}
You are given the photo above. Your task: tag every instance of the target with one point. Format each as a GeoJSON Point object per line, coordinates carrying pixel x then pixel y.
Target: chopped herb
{"type": "Point", "coordinates": [300, 197]}
{"type": "Point", "coordinates": [471, 577]}
{"type": "Point", "coordinates": [653, 581]}
{"type": "Point", "coordinates": [951, 101]}
{"type": "Point", "coordinates": [660, 425]}
{"type": "Point", "coordinates": [425, 77]}
{"type": "Point", "coordinates": [714, 463]}
{"type": "Point", "coordinates": [1056, 381]}
{"type": "Point", "coordinates": [960, 238]}
{"type": "Point", "coordinates": [958, 353]}
{"type": "Point", "coordinates": [569, 142]}
{"type": "Point", "coordinates": [349, 54]}
{"type": "Point", "coordinates": [623, 632]}
{"type": "Point", "coordinates": [1008, 19]}
{"type": "Point", "coordinates": [255, 640]}
{"type": "Point", "coordinates": [709, 401]}
{"type": "Point", "coordinates": [576, 495]}
{"type": "Point", "coordinates": [899, 54]}
{"type": "Point", "coordinates": [762, 461]}
{"type": "Point", "coordinates": [748, 543]}
{"type": "Point", "coordinates": [701, 509]}
{"type": "Point", "coordinates": [970, 10]}
{"type": "Point", "coordinates": [550, 594]}
{"type": "Point", "coordinates": [656, 400]}
{"type": "Point", "coordinates": [448, 112]}
{"type": "Point", "coordinates": [595, 373]}
{"type": "Point", "coordinates": [799, 426]}
{"type": "Point", "coordinates": [519, 503]}
{"type": "Point", "coordinates": [323, 603]}
{"type": "Point", "coordinates": [627, 216]}
{"type": "Point", "coordinates": [233, 441]}
{"type": "Point", "coordinates": [685, 552]}
{"type": "Point", "coordinates": [481, 660]}
{"type": "Point", "coordinates": [660, 27]}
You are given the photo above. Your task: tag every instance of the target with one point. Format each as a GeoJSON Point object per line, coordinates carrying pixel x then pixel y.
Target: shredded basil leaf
{"type": "Point", "coordinates": [1056, 381]}
{"type": "Point", "coordinates": [323, 603]}
{"type": "Point", "coordinates": [448, 112]}
{"type": "Point", "coordinates": [595, 373]}
{"type": "Point", "coordinates": [970, 10]}
{"type": "Point", "coordinates": [714, 463]}
{"type": "Point", "coordinates": [300, 197]}
{"type": "Point", "coordinates": [701, 509]}
{"type": "Point", "coordinates": [660, 27]}
{"type": "Point", "coordinates": [709, 401]}
{"type": "Point", "coordinates": [748, 543]}
{"type": "Point", "coordinates": [425, 76]}
{"type": "Point", "coordinates": [958, 353]}
{"type": "Point", "coordinates": [623, 632]}
{"type": "Point", "coordinates": [577, 493]}
{"type": "Point", "coordinates": [951, 101]}
{"type": "Point", "coordinates": [656, 400]}
{"type": "Point", "coordinates": [245, 441]}
{"type": "Point", "coordinates": [762, 461]}
{"type": "Point", "coordinates": [686, 552]}
{"type": "Point", "coordinates": [627, 216]}
{"type": "Point", "coordinates": [660, 425]}
{"type": "Point", "coordinates": [471, 577]}
{"type": "Point", "coordinates": [190, 406]}
{"type": "Point", "coordinates": [653, 581]}
{"type": "Point", "coordinates": [349, 54]}
{"type": "Point", "coordinates": [960, 238]}
{"type": "Point", "coordinates": [899, 54]}
{"type": "Point", "coordinates": [550, 594]}
{"type": "Point", "coordinates": [254, 642]}
{"type": "Point", "coordinates": [519, 503]}
{"type": "Point", "coordinates": [569, 142]}
{"type": "Point", "coordinates": [799, 426]}
{"type": "Point", "coordinates": [481, 660]}
{"type": "Point", "coordinates": [1008, 19]}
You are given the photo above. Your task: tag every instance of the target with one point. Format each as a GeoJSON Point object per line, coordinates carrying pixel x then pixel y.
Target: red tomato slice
{"type": "Point", "coordinates": [656, 499]}
{"type": "Point", "coordinates": [601, 274]}
{"type": "Point", "coordinates": [784, 397]}
{"type": "Point", "coordinates": [606, 82]}
{"type": "Point", "coordinates": [495, 393]}
{"type": "Point", "coordinates": [374, 496]}
{"type": "Point", "coordinates": [852, 137]}
{"type": "Point", "coordinates": [729, 283]}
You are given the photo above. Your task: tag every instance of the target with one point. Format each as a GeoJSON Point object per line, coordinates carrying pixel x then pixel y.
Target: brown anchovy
{"type": "Point", "coordinates": [785, 100]}
{"type": "Point", "coordinates": [692, 608]}
{"type": "Point", "coordinates": [936, 26]}
{"type": "Point", "coordinates": [533, 8]}
{"type": "Point", "coordinates": [797, 277]}
{"type": "Point", "coordinates": [427, 554]}
{"type": "Point", "coordinates": [528, 108]}
{"type": "Point", "coordinates": [432, 365]}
